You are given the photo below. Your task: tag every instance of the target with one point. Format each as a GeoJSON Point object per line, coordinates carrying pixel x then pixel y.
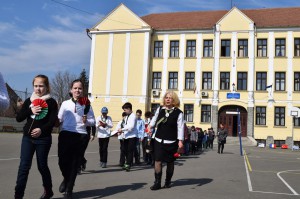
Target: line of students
{"type": "Point", "coordinates": [77, 121]}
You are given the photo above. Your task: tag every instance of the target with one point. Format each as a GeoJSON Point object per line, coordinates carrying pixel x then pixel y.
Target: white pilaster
{"type": "Point", "coordinates": [251, 53]}
{"type": "Point", "coordinates": [233, 74]}
{"type": "Point", "coordinates": [271, 49]}
{"type": "Point", "coordinates": [126, 64]}
{"type": "Point", "coordinates": [92, 60]}
{"type": "Point", "coordinates": [289, 78]}
{"type": "Point", "coordinates": [164, 74]}
{"type": "Point", "coordinates": [199, 53]}
{"type": "Point", "coordinates": [109, 65]}
{"type": "Point", "coordinates": [145, 67]}
{"type": "Point", "coordinates": [181, 65]}
{"type": "Point", "coordinates": [216, 66]}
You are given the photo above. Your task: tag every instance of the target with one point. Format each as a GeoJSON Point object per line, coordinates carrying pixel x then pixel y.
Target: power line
{"type": "Point", "coordinates": [72, 7]}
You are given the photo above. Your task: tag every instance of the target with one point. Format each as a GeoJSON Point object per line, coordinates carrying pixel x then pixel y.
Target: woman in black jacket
{"type": "Point", "coordinates": [40, 113]}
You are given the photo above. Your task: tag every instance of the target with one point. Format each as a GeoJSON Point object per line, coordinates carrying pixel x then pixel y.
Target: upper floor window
{"type": "Point", "coordinates": [262, 46]}
{"type": "Point", "coordinates": [188, 112]}
{"type": "Point", "coordinates": [297, 47]}
{"type": "Point", "coordinates": [297, 81]}
{"type": "Point", "coordinates": [156, 80]}
{"type": "Point", "coordinates": [242, 81]}
{"type": "Point", "coordinates": [208, 48]}
{"type": "Point", "coordinates": [158, 48]}
{"type": "Point", "coordinates": [279, 119]}
{"type": "Point", "coordinates": [224, 80]}
{"type": "Point", "coordinates": [280, 47]}
{"type": "Point", "coordinates": [280, 81]}
{"type": "Point", "coordinates": [191, 48]}
{"type": "Point", "coordinates": [261, 81]}
{"type": "Point", "coordinates": [207, 81]}
{"type": "Point", "coordinates": [225, 48]}
{"type": "Point", "coordinates": [173, 80]}
{"type": "Point", "coordinates": [243, 48]}
{"type": "Point", "coordinates": [174, 48]}
{"type": "Point", "coordinates": [189, 80]}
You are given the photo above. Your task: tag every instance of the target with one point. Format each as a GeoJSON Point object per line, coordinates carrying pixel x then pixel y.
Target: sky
{"type": "Point", "coordinates": [47, 36]}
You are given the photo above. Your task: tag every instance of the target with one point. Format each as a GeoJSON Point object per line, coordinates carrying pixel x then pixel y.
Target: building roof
{"type": "Point", "coordinates": [263, 18]}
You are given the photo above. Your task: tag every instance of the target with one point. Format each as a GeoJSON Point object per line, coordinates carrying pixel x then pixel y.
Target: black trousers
{"type": "Point", "coordinates": [129, 146]}
{"type": "Point", "coordinates": [70, 152]}
{"type": "Point", "coordinates": [86, 141]}
{"type": "Point", "coordinates": [220, 146]}
{"type": "Point", "coordinates": [122, 153]}
{"type": "Point", "coordinates": [103, 146]}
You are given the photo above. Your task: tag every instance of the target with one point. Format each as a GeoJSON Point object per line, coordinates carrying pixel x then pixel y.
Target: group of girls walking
{"type": "Point", "coordinates": [77, 121]}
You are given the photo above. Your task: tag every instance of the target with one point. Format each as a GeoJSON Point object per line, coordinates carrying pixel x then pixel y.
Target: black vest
{"type": "Point", "coordinates": [168, 130]}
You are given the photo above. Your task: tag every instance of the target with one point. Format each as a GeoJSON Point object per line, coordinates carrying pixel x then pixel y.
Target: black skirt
{"type": "Point", "coordinates": [165, 152]}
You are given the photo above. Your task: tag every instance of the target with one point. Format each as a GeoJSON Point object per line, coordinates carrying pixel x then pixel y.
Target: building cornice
{"type": "Point", "coordinates": [143, 30]}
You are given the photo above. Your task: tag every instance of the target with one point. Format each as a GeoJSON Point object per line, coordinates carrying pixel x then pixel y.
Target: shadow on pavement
{"type": "Point", "coordinates": [108, 191]}
{"type": "Point", "coordinates": [192, 181]}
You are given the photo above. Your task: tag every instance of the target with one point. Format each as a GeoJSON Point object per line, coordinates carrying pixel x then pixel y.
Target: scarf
{"type": "Point", "coordinates": [165, 117]}
{"type": "Point", "coordinates": [35, 96]}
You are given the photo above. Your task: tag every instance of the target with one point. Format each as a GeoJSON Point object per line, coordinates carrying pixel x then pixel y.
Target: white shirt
{"type": "Point", "coordinates": [104, 132]}
{"type": "Point", "coordinates": [72, 121]}
{"type": "Point", "coordinates": [121, 136]}
{"type": "Point", "coordinates": [180, 123]}
{"type": "Point", "coordinates": [129, 128]}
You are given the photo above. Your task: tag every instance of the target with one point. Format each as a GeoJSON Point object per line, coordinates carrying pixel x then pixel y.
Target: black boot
{"type": "Point", "coordinates": [62, 187]}
{"type": "Point", "coordinates": [168, 180]}
{"type": "Point", "coordinates": [48, 193]}
{"type": "Point", "coordinates": [157, 182]}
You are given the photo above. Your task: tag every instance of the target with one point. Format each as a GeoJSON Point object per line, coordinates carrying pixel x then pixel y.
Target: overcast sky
{"type": "Point", "coordinates": [44, 36]}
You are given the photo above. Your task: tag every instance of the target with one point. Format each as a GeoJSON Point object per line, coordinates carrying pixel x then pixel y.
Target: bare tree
{"type": "Point", "coordinates": [60, 86]}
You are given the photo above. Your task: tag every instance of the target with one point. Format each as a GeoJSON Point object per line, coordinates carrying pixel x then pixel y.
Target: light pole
{"type": "Point", "coordinates": [294, 114]}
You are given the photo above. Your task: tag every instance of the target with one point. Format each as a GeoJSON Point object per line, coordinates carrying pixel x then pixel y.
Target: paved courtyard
{"type": "Point", "coordinates": [263, 173]}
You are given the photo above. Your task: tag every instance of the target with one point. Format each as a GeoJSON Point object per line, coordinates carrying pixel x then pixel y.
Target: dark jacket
{"type": "Point", "coordinates": [222, 134]}
{"type": "Point", "coordinates": [46, 124]}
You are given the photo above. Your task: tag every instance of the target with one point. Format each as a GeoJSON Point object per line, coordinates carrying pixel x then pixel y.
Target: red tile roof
{"type": "Point", "coordinates": [263, 18]}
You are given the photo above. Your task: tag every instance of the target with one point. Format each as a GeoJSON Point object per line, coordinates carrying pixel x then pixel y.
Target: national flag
{"type": "Point", "coordinates": [270, 86]}
{"type": "Point", "coordinates": [272, 146]}
{"type": "Point", "coordinates": [195, 87]}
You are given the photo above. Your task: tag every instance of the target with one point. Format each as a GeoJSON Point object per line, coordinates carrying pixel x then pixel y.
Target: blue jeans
{"type": "Point", "coordinates": [42, 147]}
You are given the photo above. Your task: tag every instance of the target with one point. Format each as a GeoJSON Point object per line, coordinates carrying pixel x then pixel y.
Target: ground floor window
{"type": "Point", "coordinates": [154, 108]}
{"type": "Point", "coordinates": [279, 119]}
{"type": "Point", "coordinates": [205, 113]}
{"type": "Point", "coordinates": [260, 116]}
{"type": "Point", "coordinates": [188, 112]}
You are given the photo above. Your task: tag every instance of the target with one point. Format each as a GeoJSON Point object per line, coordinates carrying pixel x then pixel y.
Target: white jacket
{"type": "Point", "coordinates": [104, 132]}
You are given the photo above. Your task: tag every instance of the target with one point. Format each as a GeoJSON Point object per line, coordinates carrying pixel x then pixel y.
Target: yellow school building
{"type": "Point", "coordinates": [220, 63]}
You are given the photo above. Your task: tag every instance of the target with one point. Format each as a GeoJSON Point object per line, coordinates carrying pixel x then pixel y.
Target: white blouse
{"type": "Point", "coordinates": [104, 132]}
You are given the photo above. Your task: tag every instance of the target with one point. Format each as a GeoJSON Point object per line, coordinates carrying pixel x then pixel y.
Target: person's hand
{"type": "Point", "coordinates": [180, 144]}
{"type": "Point", "coordinates": [36, 110]}
{"type": "Point", "coordinates": [35, 133]}
{"type": "Point", "coordinates": [84, 118]}
{"type": "Point", "coordinates": [120, 131]}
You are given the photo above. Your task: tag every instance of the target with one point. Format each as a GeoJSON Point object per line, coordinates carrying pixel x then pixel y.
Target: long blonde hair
{"type": "Point", "coordinates": [176, 101]}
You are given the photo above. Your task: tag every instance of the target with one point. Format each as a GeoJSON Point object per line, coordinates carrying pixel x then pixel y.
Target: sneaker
{"type": "Point", "coordinates": [101, 164]}
{"type": "Point", "coordinates": [104, 165]}
{"type": "Point", "coordinates": [126, 167]}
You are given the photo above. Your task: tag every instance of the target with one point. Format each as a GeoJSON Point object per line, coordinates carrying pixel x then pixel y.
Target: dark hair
{"type": "Point", "coordinates": [123, 114]}
{"type": "Point", "coordinates": [127, 105]}
{"type": "Point", "coordinates": [76, 81]}
{"type": "Point", "coordinates": [45, 80]}
{"type": "Point", "coordinates": [139, 111]}
{"type": "Point", "coordinates": [148, 114]}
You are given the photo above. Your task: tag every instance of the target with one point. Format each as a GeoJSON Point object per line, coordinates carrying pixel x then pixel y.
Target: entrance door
{"type": "Point", "coordinates": [230, 121]}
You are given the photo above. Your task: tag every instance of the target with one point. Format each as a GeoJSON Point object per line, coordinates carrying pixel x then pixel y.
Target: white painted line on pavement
{"type": "Point", "coordinates": [248, 176]}
{"type": "Point", "coordinates": [287, 194]}
{"type": "Point", "coordinates": [288, 186]}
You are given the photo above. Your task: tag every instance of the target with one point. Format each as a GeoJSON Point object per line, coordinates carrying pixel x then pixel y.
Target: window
{"type": "Point", "coordinates": [158, 48]}
{"type": "Point", "coordinates": [262, 47]}
{"type": "Point", "coordinates": [188, 112]}
{"type": "Point", "coordinates": [156, 81]}
{"type": "Point", "coordinates": [280, 47]}
{"type": "Point", "coordinates": [225, 48]}
{"type": "Point", "coordinates": [174, 49]}
{"type": "Point", "coordinates": [208, 48]}
{"type": "Point", "coordinates": [243, 48]}
{"type": "Point", "coordinates": [224, 80]}
{"type": "Point", "coordinates": [154, 107]}
{"type": "Point", "coordinates": [279, 116]}
{"type": "Point", "coordinates": [297, 121]}
{"type": "Point", "coordinates": [189, 80]}
{"type": "Point", "coordinates": [260, 115]}
{"type": "Point", "coordinates": [173, 80]}
{"type": "Point", "coordinates": [191, 48]}
{"type": "Point", "coordinates": [207, 81]}
{"type": "Point", "coordinates": [242, 81]}
{"type": "Point", "coordinates": [205, 113]}
{"type": "Point", "coordinates": [261, 81]}
{"type": "Point", "coordinates": [280, 81]}
{"type": "Point", "coordinates": [297, 81]}
{"type": "Point", "coordinates": [297, 47]}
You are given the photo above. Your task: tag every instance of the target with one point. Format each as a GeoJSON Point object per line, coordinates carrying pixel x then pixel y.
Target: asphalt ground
{"type": "Point", "coordinates": [206, 175]}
